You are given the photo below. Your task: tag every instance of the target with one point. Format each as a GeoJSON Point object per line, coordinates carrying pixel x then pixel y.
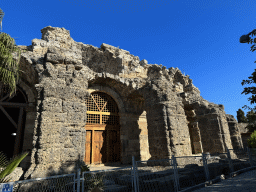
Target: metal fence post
{"type": "Point", "coordinates": [176, 174]}
{"type": "Point", "coordinates": [135, 179]}
{"type": "Point", "coordinates": [78, 180]}
{"type": "Point", "coordinates": [249, 155]}
{"type": "Point", "coordinates": [83, 181]}
{"type": "Point", "coordinates": [206, 170]}
{"type": "Point", "coordinates": [74, 185]}
{"type": "Point", "coordinates": [230, 162]}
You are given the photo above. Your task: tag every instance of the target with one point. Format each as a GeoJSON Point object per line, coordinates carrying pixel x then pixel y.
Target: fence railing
{"type": "Point", "coordinates": [53, 183]}
{"type": "Point", "coordinates": [175, 174]}
{"type": "Point", "coordinates": [188, 172]}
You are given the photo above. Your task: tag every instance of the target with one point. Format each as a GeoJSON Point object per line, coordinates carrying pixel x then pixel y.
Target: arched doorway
{"type": "Point", "coordinates": [12, 115]}
{"type": "Point", "coordinates": [102, 130]}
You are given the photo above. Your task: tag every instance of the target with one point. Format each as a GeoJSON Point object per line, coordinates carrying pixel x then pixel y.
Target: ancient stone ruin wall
{"type": "Point", "coordinates": [210, 121]}
{"type": "Point", "coordinates": [235, 133]}
{"type": "Point", "coordinates": [242, 127]}
{"type": "Point", "coordinates": [161, 111]}
{"type": "Point", "coordinates": [245, 134]}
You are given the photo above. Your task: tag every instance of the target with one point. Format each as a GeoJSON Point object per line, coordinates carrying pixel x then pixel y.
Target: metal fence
{"type": "Point", "coordinates": [176, 174]}
{"type": "Point", "coordinates": [190, 172]}
{"type": "Point", "coordinates": [119, 179]}
{"type": "Point", "coordinates": [57, 183]}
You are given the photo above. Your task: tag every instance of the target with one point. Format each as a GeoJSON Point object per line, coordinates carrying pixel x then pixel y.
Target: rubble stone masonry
{"type": "Point", "coordinates": [161, 111]}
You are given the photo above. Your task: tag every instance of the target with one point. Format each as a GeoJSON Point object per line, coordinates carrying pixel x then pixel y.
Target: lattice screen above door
{"type": "Point", "coordinates": [101, 109]}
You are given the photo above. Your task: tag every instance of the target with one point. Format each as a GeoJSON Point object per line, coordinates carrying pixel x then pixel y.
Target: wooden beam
{"type": "Point", "coordinates": [104, 106]}
{"type": "Point", "coordinates": [9, 117]}
{"type": "Point", "coordinates": [92, 137]}
{"type": "Point", "coordinates": [4, 97]}
{"type": "Point", "coordinates": [96, 103]}
{"type": "Point", "coordinates": [103, 113]}
{"type": "Point", "coordinates": [9, 104]}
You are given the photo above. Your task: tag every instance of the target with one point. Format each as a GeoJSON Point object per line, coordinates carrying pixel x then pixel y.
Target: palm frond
{"type": "Point", "coordinates": [9, 67]}
{"type": "Point", "coordinates": [3, 160]}
{"type": "Point", "coordinates": [11, 167]}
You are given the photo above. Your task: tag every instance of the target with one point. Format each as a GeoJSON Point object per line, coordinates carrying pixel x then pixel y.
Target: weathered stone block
{"type": "Point", "coordinates": [50, 70]}
{"type": "Point", "coordinates": [69, 106]}
{"type": "Point", "coordinates": [52, 104]}
{"type": "Point", "coordinates": [68, 154]}
{"type": "Point", "coordinates": [68, 143]}
{"type": "Point", "coordinates": [16, 174]}
{"type": "Point", "coordinates": [54, 58]}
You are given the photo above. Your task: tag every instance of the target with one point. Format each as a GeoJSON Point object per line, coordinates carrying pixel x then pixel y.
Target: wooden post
{"type": "Point", "coordinates": [19, 132]}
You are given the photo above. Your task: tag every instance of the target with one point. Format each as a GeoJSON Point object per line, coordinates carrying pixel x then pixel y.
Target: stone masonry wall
{"type": "Point", "coordinates": [234, 132]}
{"type": "Point", "coordinates": [162, 112]}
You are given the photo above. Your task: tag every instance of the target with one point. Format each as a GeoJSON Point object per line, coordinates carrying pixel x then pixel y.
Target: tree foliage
{"type": "Point", "coordinates": [252, 79]}
{"type": "Point", "coordinates": [251, 115]}
{"type": "Point", "coordinates": [9, 62]}
{"type": "Point", "coordinates": [251, 120]}
{"type": "Point", "coordinates": [252, 141]}
{"type": "Point", "coordinates": [240, 116]}
{"type": "Point", "coordinates": [250, 90]}
{"type": "Point", "coordinates": [9, 67]}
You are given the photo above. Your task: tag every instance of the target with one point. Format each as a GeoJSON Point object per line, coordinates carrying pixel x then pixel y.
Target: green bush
{"type": "Point", "coordinates": [92, 181]}
{"type": "Point", "coordinates": [252, 141]}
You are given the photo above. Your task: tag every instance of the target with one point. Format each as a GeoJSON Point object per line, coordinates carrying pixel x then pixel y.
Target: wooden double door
{"type": "Point", "coordinates": [102, 129]}
{"type": "Point", "coordinates": [102, 144]}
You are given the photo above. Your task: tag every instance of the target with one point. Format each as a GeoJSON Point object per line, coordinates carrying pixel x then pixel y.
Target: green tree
{"type": "Point", "coordinates": [9, 66]}
{"type": "Point", "coordinates": [252, 141]}
{"type": "Point", "coordinates": [251, 116]}
{"type": "Point", "coordinates": [252, 79]}
{"type": "Point", "coordinates": [250, 90]}
{"type": "Point", "coordinates": [251, 120]}
{"type": "Point", "coordinates": [240, 116]}
{"type": "Point", "coordinates": [9, 74]}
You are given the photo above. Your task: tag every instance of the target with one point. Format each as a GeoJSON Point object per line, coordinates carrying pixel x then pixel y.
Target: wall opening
{"type": "Point", "coordinates": [102, 130]}
{"type": "Point", "coordinates": [13, 117]}
{"type": "Point", "coordinates": [144, 145]}
{"type": "Point", "coordinates": [194, 131]}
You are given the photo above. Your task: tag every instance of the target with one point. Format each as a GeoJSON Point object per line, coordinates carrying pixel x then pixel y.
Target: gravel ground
{"type": "Point", "coordinates": [245, 182]}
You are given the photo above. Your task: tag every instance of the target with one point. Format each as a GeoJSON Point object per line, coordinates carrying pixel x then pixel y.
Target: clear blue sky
{"type": "Point", "coordinates": [200, 37]}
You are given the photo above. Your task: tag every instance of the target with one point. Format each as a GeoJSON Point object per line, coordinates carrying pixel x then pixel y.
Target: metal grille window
{"type": "Point", "coordinates": [93, 118]}
{"type": "Point", "coordinates": [110, 119]}
{"type": "Point", "coordinates": [101, 109]}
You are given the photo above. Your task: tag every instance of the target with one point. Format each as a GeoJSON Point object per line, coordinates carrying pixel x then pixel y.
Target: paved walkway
{"type": "Point", "coordinates": [245, 182]}
{"type": "Point", "coordinates": [104, 167]}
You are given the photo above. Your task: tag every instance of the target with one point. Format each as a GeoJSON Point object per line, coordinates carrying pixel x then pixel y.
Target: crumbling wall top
{"type": "Point", "coordinates": [58, 47]}
{"type": "Point", "coordinates": [50, 33]}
